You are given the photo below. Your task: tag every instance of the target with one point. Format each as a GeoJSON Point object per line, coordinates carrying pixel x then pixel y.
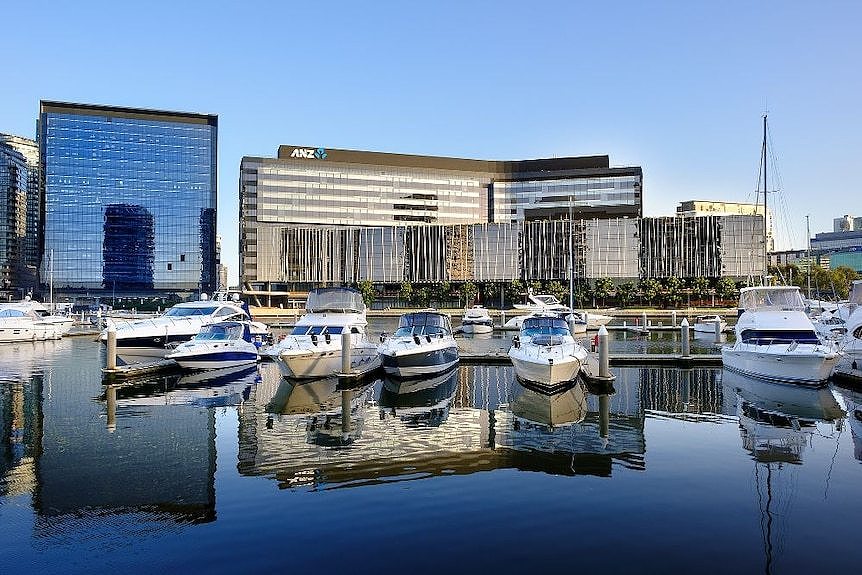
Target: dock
{"type": "Point", "coordinates": [140, 369]}
{"type": "Point", "coordinates": [616, 359]}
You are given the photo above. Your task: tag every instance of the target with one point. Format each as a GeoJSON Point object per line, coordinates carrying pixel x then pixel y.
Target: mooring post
{"type": "Point", "coordinates": [673, 318]}
{"type": "Point", "coordinates": [604, 355]}
{"type": "Point", "coordinates": [345, 351]}
{"type": "Point", "coordinates": [571, 323]}
{"type": "Point", "coordinates": [717, 329]}
{"type": "Point", "coordinates": [686, 344]}
{"type": "Point", "coordinates": [346, 397]}
{"type": "Point", "coordinates": [643, 319]}
{"type": "Point", "coordinates": [604, 415]}
{"type": "Point", "coordinates": [111, 394]}
{"type": "Point", "coordinates": [112, 346]}
{"type": "Point", "coordinates": [502, 318]}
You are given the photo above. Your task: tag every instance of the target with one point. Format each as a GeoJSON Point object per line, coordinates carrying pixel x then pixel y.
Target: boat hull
{"type": "Point", "coordinates": [216, 360]}
{"type": "Point", "coordinates": [476, 328]}
{"type": "Point", "coordinates": [304, 364]}
{"type": "Point", "coordinates": [419, 360]}
{"type": "Point", "coordinates": [801, 365]}
{"type": "Point", "coordinates": [545, 370]}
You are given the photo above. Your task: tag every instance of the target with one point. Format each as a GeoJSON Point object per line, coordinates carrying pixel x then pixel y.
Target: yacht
{"type": "Point", "coordinates": [543, 304]}
{"type": "Point", "coordinates": [545, 352]}
{"type": "Point", "coordinates": [29, 320]}
{"type": "Point", "coordinates": [706, 324]}
{"type": "Point", "coordinates": [313, 348]}
{"type": "Point", "coordinates": [217, 346]}
{"type": "Point", "coordinates": [775, 340]}
{"type": "Point", "coordinates": [477, 320]}
{"type": "Point", "coordinates": [148, 340]}
{"type": "Point", "coordinates": [422, 345]}
{"type": "Point", "coordinates": [851, 343]}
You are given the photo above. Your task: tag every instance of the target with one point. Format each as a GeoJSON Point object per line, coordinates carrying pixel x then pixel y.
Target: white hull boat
{"type": "Point", "coordinates": [422, 345]}
{"type": "Point", "coordinates": [477, 320]}
{"type": "Point", "coordinates": [776, 341]}
{"type": "Point", "coordinates": [546, 353]}
{"type": "Point", "coordinates": [314, 348]}
{"type": "Point", "coordinates": [217, 346]}
{"type": "Point", "coordinates": [28, 320]}
{"type": "Point", "coordinates": [706, 324]}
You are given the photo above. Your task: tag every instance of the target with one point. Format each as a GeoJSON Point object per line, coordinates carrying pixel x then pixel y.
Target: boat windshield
{"type": "Point", "coordinates": [767, 337]}
{"type": "Point", "coordinates": [178, 311]}
{"type": "Point", "coordinates": [316, 330]}
{"type": "Point", "coordinates": [423, 323]}
{"type": "Point", "coordinates": [338, 300]}
{"type": "Point", "coordinates": [534, 326]}
{"type": "Point", "coordinates": [547, 299]}
{"type": "Point", "coordinates": [771, 298]}
{"type": "Point", "coordinates": [219, 331]}
{"type": "Point", "coordinates": [12, 313]}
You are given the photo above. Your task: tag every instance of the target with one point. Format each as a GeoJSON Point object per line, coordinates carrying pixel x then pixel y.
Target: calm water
{"type": "Point", "coordinates": [678, 470]}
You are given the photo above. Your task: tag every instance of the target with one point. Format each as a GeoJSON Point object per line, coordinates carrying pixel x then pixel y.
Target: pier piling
{"type": "Point", "coordinates": [673, 318]}
{"type": "Point", "coordinates": [111, 395]}
{"type": "Point", "coordinates": [604, 355]}
{"type": "Point", "coordinates": [686, 343]}
{"type": "Point", "coordinates": [718, 330]}
{"type": "Point", "coordinates": [345, 351]}
{"type": "Point", "coordinates": [111, 363]}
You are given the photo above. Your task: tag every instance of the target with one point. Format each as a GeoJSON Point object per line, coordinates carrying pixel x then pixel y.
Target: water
{"type": "Point", "coordinates": [677, 470]}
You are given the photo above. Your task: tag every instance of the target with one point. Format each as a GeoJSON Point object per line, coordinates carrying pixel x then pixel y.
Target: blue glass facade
{"type": "Point", "coordinates": [130, 198]}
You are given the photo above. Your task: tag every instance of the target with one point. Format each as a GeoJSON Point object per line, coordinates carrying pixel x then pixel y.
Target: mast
{"type": "Point", "coordinates": [571, 265]}
{"type": "Point", "coordinates": [808, 256]}
{"type": "Point", "coordinates": [765, 212]}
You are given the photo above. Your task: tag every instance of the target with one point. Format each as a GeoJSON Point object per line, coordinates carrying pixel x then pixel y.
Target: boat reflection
{"type": "Point", "coordinates": [853, 404]}
{"type": "Point", "coordinates": [419, 402]}
{"type": "Point", "coordinates": [533, 405]}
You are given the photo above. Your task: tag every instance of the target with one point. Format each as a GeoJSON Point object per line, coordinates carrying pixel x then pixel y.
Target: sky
{"type": "Point", "coordinates": [678, 88]}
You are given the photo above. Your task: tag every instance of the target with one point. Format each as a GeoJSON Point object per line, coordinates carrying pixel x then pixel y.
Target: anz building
{"type": "Point", "coordinates": [319, 215]}
{"type": "Point", "coordinates": [129, 199]}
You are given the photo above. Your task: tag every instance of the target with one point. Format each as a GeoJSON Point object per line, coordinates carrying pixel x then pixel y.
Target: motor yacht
{"type": "Point", "coordinates": [148, 340]}
{"type": "Point", "coordinates": [313, 348]}
{"type": "Point", "coordinates": [477, 320]}
{"type": "Point", "coordinates": [545, 352]}
{"type": "Point", "coordinates": [30, 320]}
{"type": "Point", "coordinates": [851, 344]}
{"type": "Point", "coordinates": [706, 324]}
{"type": "Point", "coordinates": [216, 346]}
{"type": "Point", "coordinates": [422, 345]}
{"type": "Point", "coordinates": [775, 340]}
{"type": "Point", "coordinates": [543, 304]}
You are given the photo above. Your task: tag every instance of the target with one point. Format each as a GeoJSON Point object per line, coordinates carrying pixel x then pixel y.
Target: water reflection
{"type": "Point", "coordinates": [419, 401]}
{"type": "Point", "coordinates": [853, 404]}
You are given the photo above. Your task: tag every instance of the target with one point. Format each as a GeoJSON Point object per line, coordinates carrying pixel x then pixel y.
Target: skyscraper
{"type": "Point", "coordinates": [19, 222]}
{"type": "Point", "coordinates": [130, 198]}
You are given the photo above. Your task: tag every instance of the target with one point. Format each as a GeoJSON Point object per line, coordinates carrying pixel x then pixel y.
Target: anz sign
{"type": "Point", "coordinates": [309, 153]}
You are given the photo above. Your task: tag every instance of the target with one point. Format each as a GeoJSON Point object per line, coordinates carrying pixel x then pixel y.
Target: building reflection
{"type": "Point", "coordinates": [476, 418]}
{"type": "Point", "coordinates": [853, 403]}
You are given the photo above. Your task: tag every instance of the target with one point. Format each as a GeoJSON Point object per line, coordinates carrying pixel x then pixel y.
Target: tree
{"type": "Point", "coordinates": [440, 292]}
{"type": "Point", "coordinates": [603, 288]}
{"type": "Point", "coordinates": [514, 290]}
{"type": "Point", "coordinates": [422, 296]}
{"type": "Point", "coordinates": [405, 293]}
{"type": "Point", "coordinates": [468, 292]}
{"type": "Point", "coordinates": [557, 290]}
{"type": "Point", "coordinates": [366, 288]}
{"type": "Point", "coordinates": [649, 289]}
{"type": "Point", "coordinates": [726, 288]}
{"type": "Point", "coordinates": [672, 290]}
{"type": "Point", "coordinates": [625, 293]}
{"type": "Point", "coordinates": [700, 288]}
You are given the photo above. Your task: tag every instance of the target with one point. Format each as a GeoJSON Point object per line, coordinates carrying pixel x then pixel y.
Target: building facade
{"type": "Point", "coordinates": [20, 223]}
{"type": "Point", "coordinates": [718, 208]}
{"type": "Point", "coordinates": [129, 198]}
{"type": "Point", "coordinates": [313, 212]}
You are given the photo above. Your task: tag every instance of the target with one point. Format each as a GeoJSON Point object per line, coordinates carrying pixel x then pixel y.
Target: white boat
{"type": "Point", "coordinates": [851, 344]}
{"type": "Point", "coordinates": [775, 340]}
{"type": "Point", "coordinates": [422, 345]}
{"type": "Point", "coordinates": [217, 346]}
{"type": "Point", "coordinates": [148, 340]}
{"type": "Point", "coordinates": [543, 304]}
{"type": "Point", "coordinates": [545, 352]}
{"type": "Point", "coordinates": [29, 320]}
{"type": "Point", "coordinates": [313, 348]}
{"type": "Point", "coordinates": [477, 320]}
{"type": "Point", "coordinates": [706, 324]}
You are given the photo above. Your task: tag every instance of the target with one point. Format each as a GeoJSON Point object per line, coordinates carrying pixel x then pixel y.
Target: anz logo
{"type": "Point", "coordinates": [309, 153]}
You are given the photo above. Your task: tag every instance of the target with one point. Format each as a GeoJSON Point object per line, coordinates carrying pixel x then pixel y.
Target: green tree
{"type": "Point", "coordinates": [603, 288]}
{"type": "Point", "coordinates": [422, 297]}
{"type": "Point", "coordinates": [700, 288]}
{"type": "Point", "coordinates": [672, 290]}
{"type": "Point", "coordinates": [625, 293]}
{"type": "Point", "coordinates": [441, 292]}
{"type": "Point", "coordinates": [366, 288]}
{"type": "Point", "coordinates": [514, 291]}
{"type": "Point", "coordinates": [557, 290]}
{"type": "Point", "coordinates": [726, 288]}
{"type": "Point", "coordinates": [536, 286]}
{"type": "Point", "coordinates": [650, 289]}
{"type": "Point", "coordinates": [468, 292]}
{"type": "Point", "coordinates": [841, 277]}
{"type": "Point", "coordinates": [405, 293]}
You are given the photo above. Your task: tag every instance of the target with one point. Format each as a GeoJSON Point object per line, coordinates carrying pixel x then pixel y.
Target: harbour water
{"type": "Point", "coordinates": [677, 470]}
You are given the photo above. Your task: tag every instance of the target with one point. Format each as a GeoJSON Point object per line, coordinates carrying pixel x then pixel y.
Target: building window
{"type": "Point", "coordinates": [170, 267]}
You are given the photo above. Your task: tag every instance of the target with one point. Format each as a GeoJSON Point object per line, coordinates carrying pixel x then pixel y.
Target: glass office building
{"type": "Point", "coordinates": [19, 226]}
{"type": "Point", "coordinates": [129, 198]}
{"type": "Point", "coordinates": [420, 212]}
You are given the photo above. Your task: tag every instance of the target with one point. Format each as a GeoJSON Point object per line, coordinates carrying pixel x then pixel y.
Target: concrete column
{"type": "Point", "coordinates": [686, 344]}
{"type": "Point", "coordinates": [112, 346]}
{"type": "Point", "coordinates": [345, 351]}
{"type": "Point", "coordinates": [346, 398]}
{"type": "Point", "coordinates": [604, 355]}
{"type": "Point", "coordinates": [643, 319]}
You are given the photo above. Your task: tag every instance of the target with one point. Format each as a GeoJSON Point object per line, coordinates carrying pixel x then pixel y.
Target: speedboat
{"type": "Point", "coordinates": [706, 324]}
{"type": "Point", "coordinates": [775, 340]}
{"type": "Point", "coordinates": [313, 348]}
{"type": "Point", "coordinates": [545, 352]}
{"type": "Point", "coordinates": [148, 340]}
{"type": "Point", "coordinates": [30, 320]}
{"type": "Point", "coordinates": [216, 346]}
{"type": "Point", "coordinates": [477, 320]}
{"type": "Point", "coordinates": [422, 345]}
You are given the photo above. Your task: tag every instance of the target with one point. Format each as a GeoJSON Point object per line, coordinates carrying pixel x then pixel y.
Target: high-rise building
{"type": "Point", "coordinates": [418, 202]}
{"type": "Point", "coordinates": [19, 224]}
{"type": "Point", "coordinates": [130, 198]}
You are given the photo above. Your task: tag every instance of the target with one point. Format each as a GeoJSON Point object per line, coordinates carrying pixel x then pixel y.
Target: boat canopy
{"type": "Point", "coordinates": [775, 298]}
{"type": "Point", "coordinates": [334, 300]}
{"type": "Point", "coordinates": [534, 326]}
{"type": "Point", "coordinates": [224, 330]}
{"type": "Point", "coordinates": [423, 323]}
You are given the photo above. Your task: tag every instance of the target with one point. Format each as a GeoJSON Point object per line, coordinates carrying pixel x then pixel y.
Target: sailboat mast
{"type": "Point", "coordinates": [808, 256]}
{"type": "Point", "coordinates": [571, 262]}
{"type": "Point", "coordinates": [765, 212]}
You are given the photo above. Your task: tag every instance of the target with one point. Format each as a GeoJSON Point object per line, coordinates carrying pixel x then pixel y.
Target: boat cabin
{"type": "Point", "coordinates": [424, 323]}
{"type": "Point", "coordinates": [777, 298]}
{"type": "Point", "coordinates": [334, 300]}
{"type": "Point", "coordinates": [224, 330]}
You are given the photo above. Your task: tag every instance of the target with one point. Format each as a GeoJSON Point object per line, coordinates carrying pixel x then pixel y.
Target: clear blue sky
{"type": "Point", "coordinates": [675, 87]}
